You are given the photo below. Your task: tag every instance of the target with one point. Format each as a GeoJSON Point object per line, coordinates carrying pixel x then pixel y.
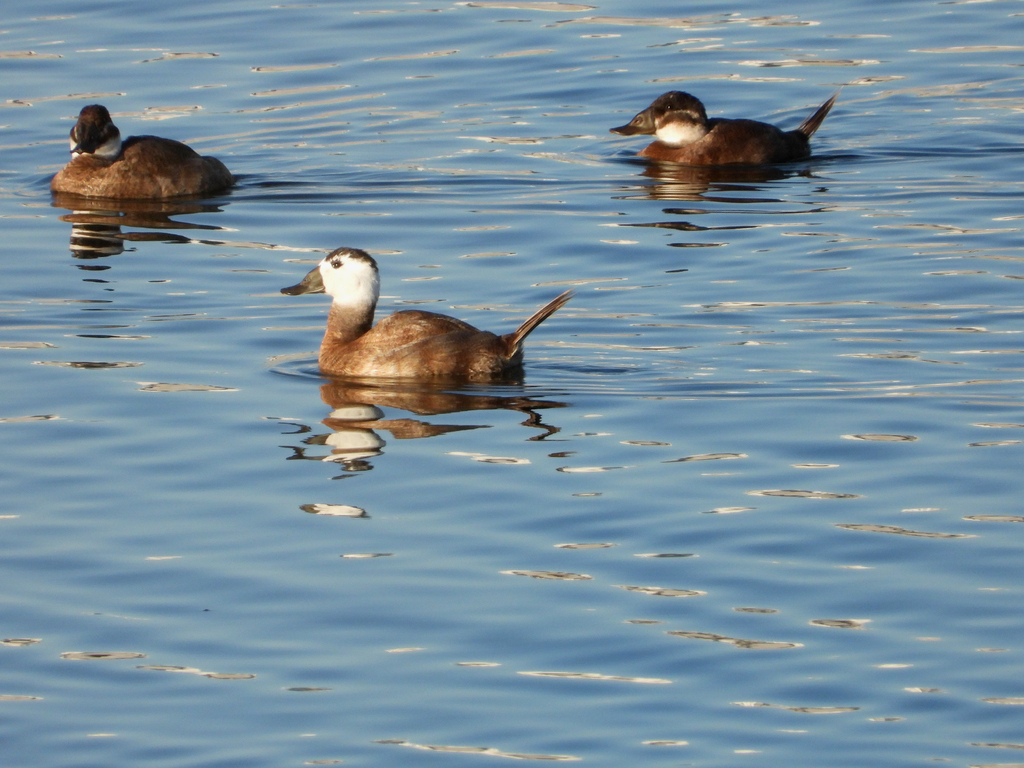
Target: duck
{"type": "Point", "coordinates": [685, 134]}
{"type": "Point", "coordinates": [140, 167]}
{"type": "Point", "coordinates": [411, 344]}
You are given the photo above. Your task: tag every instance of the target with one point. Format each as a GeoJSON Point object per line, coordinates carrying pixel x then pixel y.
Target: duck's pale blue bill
{"type": "Point", "coordinates": [643, 123]}
{"type": "Point", "coordinates": [626, 130]}
{"type": "Point", "coordinates": [311, 283]}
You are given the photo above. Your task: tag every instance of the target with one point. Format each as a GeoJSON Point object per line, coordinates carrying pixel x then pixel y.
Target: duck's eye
{"type": "Point", "coordinates": [336, 262]}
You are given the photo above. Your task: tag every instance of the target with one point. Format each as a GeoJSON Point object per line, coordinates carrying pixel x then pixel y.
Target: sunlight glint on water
{"type": "Point", "coordinates": [754, 503]}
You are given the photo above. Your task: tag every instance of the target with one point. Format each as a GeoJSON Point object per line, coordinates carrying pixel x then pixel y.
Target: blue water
{"type": "Point", "coordinates": [755, 502]}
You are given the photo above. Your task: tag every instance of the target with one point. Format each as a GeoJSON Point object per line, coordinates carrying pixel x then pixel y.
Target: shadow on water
{"type": "Point", "coordinates": [356, 416]}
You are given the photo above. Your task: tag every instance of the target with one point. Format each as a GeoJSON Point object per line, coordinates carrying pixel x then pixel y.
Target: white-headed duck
{"type": "Point", "coordinates": [411, 343]}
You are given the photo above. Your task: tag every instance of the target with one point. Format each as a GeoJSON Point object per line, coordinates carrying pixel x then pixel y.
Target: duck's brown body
{"type": "Point", "coordinates": [733, 142]}
{"type": "Point", "coordinates": [148, 167]}
{"type": "Point", "coordinates": [418, 344]}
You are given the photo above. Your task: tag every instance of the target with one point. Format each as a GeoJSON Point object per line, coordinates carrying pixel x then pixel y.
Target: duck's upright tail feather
{"type": "Point", "coordinates": [516, 338]}
{"type": "Point", "coordinates": [812, 123]}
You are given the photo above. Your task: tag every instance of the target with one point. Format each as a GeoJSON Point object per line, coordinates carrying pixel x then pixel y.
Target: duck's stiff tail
{"type": "Point", "coordinates": [516, 338]}
{"type": "Point", "coordinates": [813, 123]}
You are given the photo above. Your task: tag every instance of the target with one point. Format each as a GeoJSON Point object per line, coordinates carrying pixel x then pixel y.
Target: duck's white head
{"type": "Point", "coordinates": [348, 275]}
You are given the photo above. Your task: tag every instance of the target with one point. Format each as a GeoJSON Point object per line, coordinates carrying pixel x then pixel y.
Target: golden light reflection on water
{"type": "Point", "coordinates": [551, 575]}
{"type": "Point", "coordinates": [101, 655]}
{"type": "Point", "coordinates": [695, 22]}
{"type": "Point", "coordinates": [367, 555]}
{"type": "Point", "coordinates": [199, 672]}
{"type": "Point", "coordinates": [183, 55]}
{"type": "Point", "coordinates": [708, 457]}
{"type": "Point", "coordinates": [893, 529]}
{"type": "Point", "coordinates": [598, 676]}
{"type": "Point", "coordinates": [294, 67]}
{"type": "Point", "coordinates": [153, 386]}
{"type": "Point", "coordinates": [665, 554]}
{"type": "Point", "coordinates": [800, 494]}
{"type": "Point", "coordinates": [801, 710]}
{"type": "Point", "coordinates": [486, 751]}
{"type": "Point", "coordinates": [841, 623]}
{"type": "Point", "coordinates": [485, 459]}
{"type": "Point", "coordinates": [737, 642]}
{"type": "Point", "coordinates": [528, 5]}
{"type": "Point", "coordinates": [882, 438]}
{"type": "Point", "coordinates": [997, 745]}
{"type": "Point", "coordinates": [662, 591]}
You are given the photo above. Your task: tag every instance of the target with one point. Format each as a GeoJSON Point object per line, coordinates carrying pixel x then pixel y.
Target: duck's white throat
{"type": "Point", "coordinates": [109, 149]}
{"type": "Point", "coordinates": [677, 133]}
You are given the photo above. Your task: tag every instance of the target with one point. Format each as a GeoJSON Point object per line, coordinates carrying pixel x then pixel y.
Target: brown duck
{"type": "Point", "coordinates": [685, 134]}
{"type": "Point", "coordinates": [140, 167]}
{"type": "Point", "coordinates": [411, 343]}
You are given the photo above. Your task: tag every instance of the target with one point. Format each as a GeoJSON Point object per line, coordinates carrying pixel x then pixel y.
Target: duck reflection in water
{"type": "Point", "coordinates": [96, 225]}
{"type": "Point", "coordinates": [356, 415]}
{"type": "Point", "coordinates": [728, 184]}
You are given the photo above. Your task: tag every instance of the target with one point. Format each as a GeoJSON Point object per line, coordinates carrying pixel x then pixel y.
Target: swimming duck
{"type": "Point", "coordinates": [411, 343]}
{"type": "Point", "coordinates": [685, 134]}
{"type": "Point", "coordinates": [139, 167]}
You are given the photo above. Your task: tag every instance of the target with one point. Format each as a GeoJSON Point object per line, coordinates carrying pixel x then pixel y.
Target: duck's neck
{"type": "Point", "coordinates": [346, 323]}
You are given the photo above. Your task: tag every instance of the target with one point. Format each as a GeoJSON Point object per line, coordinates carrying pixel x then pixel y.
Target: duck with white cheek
{"type": "Point", "coordinates": [407, 344]}
{"type": "Point", "coordinates": [685, 134]}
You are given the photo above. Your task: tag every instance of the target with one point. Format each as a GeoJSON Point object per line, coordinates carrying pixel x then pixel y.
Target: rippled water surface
{"type": "Point", "coordinates": [754, 503]}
